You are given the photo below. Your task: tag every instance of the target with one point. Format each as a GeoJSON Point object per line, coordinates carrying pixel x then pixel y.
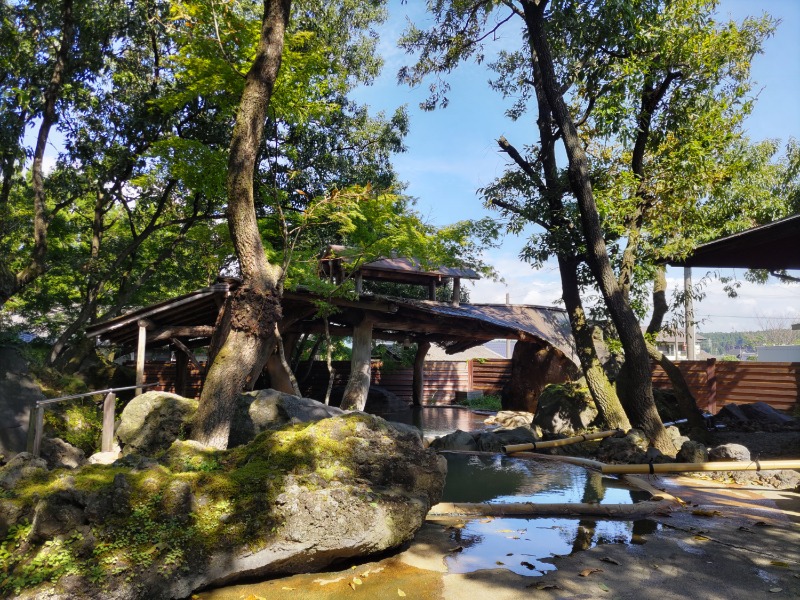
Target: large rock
{"type": "Point", "coordinates": [270, 409]}
{"type": "Point", "coordinates": [764, 413]}
{"type": "Point", "coordinates": [293, 500]}
{"type": "Point", "coordinates": [692, 452]}
{"type": "Point", "coordinates": [726, 452]}
{"type": "Point", "coordinates": [534, 366]}
{"type": "Point", "coordinates": [630, 448]}
{"type": "Point", "coordinates": [151, 422]}
{"type": "Point", "coordinates": [493, 441]}
{"type": "Point", "coordinates": [458, 440]}
{"type": "Point", "coordinates": [565, 409]}
{"type": "Point", "coordinates": [61, 455]}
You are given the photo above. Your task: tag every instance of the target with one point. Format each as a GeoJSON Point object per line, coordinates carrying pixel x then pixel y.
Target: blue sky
{"type": "Point", "coordinates": [452, 152]}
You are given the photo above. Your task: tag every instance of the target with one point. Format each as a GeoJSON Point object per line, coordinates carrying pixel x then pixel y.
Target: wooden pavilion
{"type": "Point", "coordinates": [190, 321]}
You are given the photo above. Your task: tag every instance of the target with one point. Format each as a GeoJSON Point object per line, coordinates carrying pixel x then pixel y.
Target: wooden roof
{"type": "Point", "coordinates": [394, 269]}
{"type": "Point", "coordinates": [773, 246]}
{"type": "Point", "coordinates": [191, 317]}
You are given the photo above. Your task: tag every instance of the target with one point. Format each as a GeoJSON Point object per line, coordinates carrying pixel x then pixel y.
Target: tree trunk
{"type": "Point", "coordinates": [255, 307]}
{"type": "Point", "coordinates": [355, 394]}
{"type": "Point", "coordinates": [686, 400]}
{"type": "Point", "coordinates": [13, 284]}
{"type": "Point", "coordinates": [605, 397]}
{"type": "Point", "coordinates": [637, 398]}
{"type": "Point", "coordinates": [418, 384]}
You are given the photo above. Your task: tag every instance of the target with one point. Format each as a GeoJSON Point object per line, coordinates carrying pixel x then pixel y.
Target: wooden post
{"type": "Point", "coordinates": [38, 426]}
{"type": "Point", "coordinates": [107, 442]}
{"type": "Point", "coordinates": [359, 283]}
{"type": "Point", "coordinates": [140, 352]}
{"type": "Point", "coordinates": [456, 291]}
{"type": "Point", "coordinates": [181, 372]}
{"type": "Point", "coordinates": [418, 385]}
{"type": "Point", "coordinates": [432, 289]}
{"type": "Point", "coordinates": [355, 394]}
{"type": "Point", "coordinates": [711, 385]}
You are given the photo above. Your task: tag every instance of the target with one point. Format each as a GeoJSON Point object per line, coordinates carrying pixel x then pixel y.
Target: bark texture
{"type": "Point", "coordinates": [255, 307]}
{"type": "Point", "coordinates": [637, 391]}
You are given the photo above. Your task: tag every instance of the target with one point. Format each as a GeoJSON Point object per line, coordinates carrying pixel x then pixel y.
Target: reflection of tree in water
{"type": "Point", "coordinates": [478, 479]}
{"type": "Point", "coordinates": [593, 492]}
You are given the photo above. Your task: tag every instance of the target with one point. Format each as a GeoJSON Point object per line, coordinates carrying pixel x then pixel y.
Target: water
{"type": "Point", "coordinates": [526, 545]}
{"type": "Point", "coordinates": [436, 421]}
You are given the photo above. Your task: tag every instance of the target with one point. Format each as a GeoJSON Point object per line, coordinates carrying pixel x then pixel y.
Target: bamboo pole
{"type": "Point", "coordinates": [449, 510]}
{"type": "Point", "coordinates": [555, 443]}
{"type": "Point", "coordinates": [753, 465]}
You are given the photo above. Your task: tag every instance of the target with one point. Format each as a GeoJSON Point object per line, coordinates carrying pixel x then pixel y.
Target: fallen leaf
{"type": "Point", "coordinates": [775, 590]}
{"type": "Point", "coordinates": [288, 589]}
{"type": "Point", "coordinates": [357, 581]}
{"type": "Point", "coordinates": [655, 566]}
{"type": "Point", "coordinates": [527, 565]}
{"type": "Point", "coordinates": [497, 562]}
{"type": "Point", "coordinates": [352, 585]}
{"type": "Point", "coordinates": [487, 520]}
{"type": "Point", "coordinates": [610, 560]}
{"type": "Point", "coordinates": [701, 538]}
{"type": "Point", "coordinates": [747, 529]}
{"type": "Point", "coordinates": [587, 572]}
{"type": "Point", "coordinates": [505, 531]}
{"type": "Point", "coordinates": [542, 585]}
{"type": "Point", "coordinates": [401, 593]}
{"type": "Point", "coordinates": [780, 563]}
{"type": "Point", "coordinates": [700, 512]}
{"type": "Point", "coordinates": [603, 587]}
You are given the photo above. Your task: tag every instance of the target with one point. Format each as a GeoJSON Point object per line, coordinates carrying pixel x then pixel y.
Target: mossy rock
{"type": "Point", "coordinates": [565, 409]}
{"type": "Point", "coordinates": [151, 422]}
{"type": "Point", "coordinates": [292, 500]}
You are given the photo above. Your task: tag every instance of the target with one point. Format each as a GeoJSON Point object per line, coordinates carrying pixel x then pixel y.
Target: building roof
{"type": "Point", "coordinates": [192, 317]}
{"type": "Point", "coordinates": [773, 246]}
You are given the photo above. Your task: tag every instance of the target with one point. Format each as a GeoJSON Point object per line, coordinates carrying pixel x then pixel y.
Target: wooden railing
{"type": "Point", "coordinates": [36, 426]}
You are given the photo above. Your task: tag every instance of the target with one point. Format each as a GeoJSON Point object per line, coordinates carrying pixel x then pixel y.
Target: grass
{"type": "Point", "coordinates": [491, 402]}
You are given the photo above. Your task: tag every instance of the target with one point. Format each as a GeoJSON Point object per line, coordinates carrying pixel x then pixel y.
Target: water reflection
{"type": "Point", "coordinates": [436, 421]}
{"type": "Point", "coordinates": [499, 478]}
{"type": "Point", "coordinates": [526, 546]}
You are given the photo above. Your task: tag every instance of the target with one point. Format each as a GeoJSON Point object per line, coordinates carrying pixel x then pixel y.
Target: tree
{"type": "Point", "coordinates": [604, 77]}
{"type": "Point", "coordinates": [255, 307]}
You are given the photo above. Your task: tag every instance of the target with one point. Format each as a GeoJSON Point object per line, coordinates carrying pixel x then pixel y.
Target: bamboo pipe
{"type": "Point", "coordinates": [450, 510]}
{"type": "Point", "coordinates": [555, 443]}
{"type": "Point", "coordinates": [753, 465]}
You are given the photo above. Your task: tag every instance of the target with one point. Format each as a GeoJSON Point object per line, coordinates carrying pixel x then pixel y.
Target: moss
{"type": "Point", "coordinates": [233, 497]}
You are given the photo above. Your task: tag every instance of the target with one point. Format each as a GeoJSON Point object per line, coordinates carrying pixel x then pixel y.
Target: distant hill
{"type": "Point", "coordinates": [734, 342]}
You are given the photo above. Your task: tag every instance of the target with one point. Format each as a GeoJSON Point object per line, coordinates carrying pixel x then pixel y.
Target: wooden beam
{"type": "Point", "coordinates": [456, 291]}
{"type": "Point", "coordinates": [183, 331]}
{"type": "Point", "coordinates": [189, 354]}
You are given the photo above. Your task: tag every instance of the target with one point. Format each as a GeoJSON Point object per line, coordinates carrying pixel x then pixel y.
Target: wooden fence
{"type": "Point", "coordinates": [717, 383]}
{"type": "Point", "coordinates": [714, 383]}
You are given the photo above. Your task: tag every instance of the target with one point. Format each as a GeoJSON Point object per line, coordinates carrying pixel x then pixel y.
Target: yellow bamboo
{"type": "Point", "coordinates": [468, 510]}
{"type": "Point", "coordinates": [555, 443]}
{"type": "Point", "coordinates": [753, 465]}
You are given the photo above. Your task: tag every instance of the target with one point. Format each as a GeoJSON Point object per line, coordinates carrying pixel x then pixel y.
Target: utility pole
{"type": "Point", "coordinates": [688, 312]}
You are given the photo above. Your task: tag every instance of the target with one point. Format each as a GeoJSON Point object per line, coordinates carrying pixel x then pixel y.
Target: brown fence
{"type": "Point", "coordinates": [714, 383]}
{"type": "Point", "coordinates": [717, 383]}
